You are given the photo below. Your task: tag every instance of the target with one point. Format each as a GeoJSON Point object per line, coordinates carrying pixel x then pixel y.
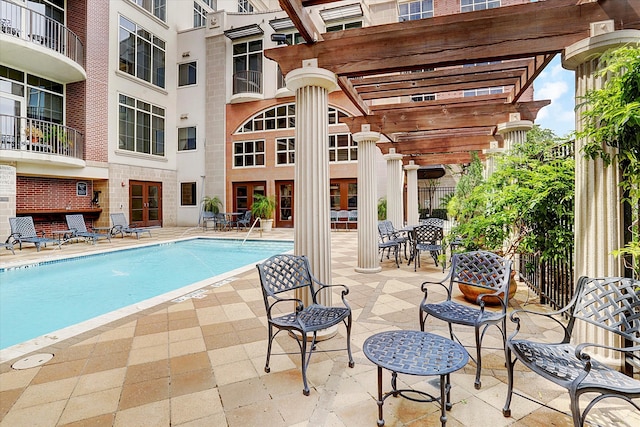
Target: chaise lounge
{"type": "Point", "coordinates": [76, 224]}
{"type": "Point", "coordinates": [122, 227]}
{"type": "Point", "coordinates": [24, 231]}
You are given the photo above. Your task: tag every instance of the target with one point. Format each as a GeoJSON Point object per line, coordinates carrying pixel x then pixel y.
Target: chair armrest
{"type": "Point", "coordinates": [514, 317]}
{"type": "Point", "coordinates": [343, 293]}
{"type": "Point", "coordinates": [299, 304]}
{"type": "Point", "coordinates": [580, 354]}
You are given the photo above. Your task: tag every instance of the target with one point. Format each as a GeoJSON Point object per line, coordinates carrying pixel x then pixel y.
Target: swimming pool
{"type": "Point", "coordinates": [39, 299]}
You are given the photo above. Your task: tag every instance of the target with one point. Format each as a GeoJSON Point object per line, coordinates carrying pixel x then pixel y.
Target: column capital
{"type": "Point", "coordinates": [513, 126]}
{"type": "Point", "coordinates": [366, 136]}
{"type": "Point", "coordinates": [311, 75]}
{"type": "Point", "coordinates": [411, 166]}
{"type": "Point", "coordinates": [590, 48]}
{"type": "Point", "coordinates": [393, 155]}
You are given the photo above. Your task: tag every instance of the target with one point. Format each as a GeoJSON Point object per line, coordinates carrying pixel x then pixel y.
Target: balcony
{"type": "Point", "coordinates": [247, 86]}
{"type": "Point", "coordinates": [40, 45]}
{"type": "Point", "coordinates": [38, 141]}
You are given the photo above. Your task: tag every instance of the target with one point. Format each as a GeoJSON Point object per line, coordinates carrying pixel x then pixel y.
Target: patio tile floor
{"type": "Point", "coordinates": [200, 362]}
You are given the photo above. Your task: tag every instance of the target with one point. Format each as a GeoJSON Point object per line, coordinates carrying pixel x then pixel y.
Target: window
{"type": "Point", "coordinates": [244, 6]}
{"type": "Point", "coordinates": [285, 151]}
{"type": "Point", "coordinates": [44, 99]}
{"type": "Point", "coordinates": [282, 117]}
{"type": "Point", "coordinates": [187, 138]}
{"type": "Point", "coordinates": [248, 153]}
{"type": "Point", "coordinates": [424, 97]}
{"type": "Point", "coordinates": [188, 194]}
{"type": "Point", "coordinates": [157, 7]}
{"type": "Point", "coordinates": [247, 66]}
{"type": "Point", "coordinates": [141, 126]}
{"type": "Point", "coordinates": [342, 148]}
{"type": "Point", "coordinates": [187, 74]}
{"type": "Point", "coordinates": [471, 5]}
{"type": "Point", "coordinates": [485, 91]}
{"type": "Point", "coordinates": [200, 10]}
{"type": "Point", "coordinates": [343, 194]}
{"type": "Point", "coordinates": [141, 53]}
{"type": "Point", "coordinates": [344, 26]}
{"type": "Point", "coordinates": [415, 10]}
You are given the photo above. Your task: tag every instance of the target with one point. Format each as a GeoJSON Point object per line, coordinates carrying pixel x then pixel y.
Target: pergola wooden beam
{"type": "Point", "coordinates": [441, 159]}
{"type": "Point", "coordinates": [445, 145]}
{"type": "Point", "coordinates": [300, 18]}
{"type": "Point", "coordinates": [502, 33]}
{"type": "Point", "coordinates": [446, 117]}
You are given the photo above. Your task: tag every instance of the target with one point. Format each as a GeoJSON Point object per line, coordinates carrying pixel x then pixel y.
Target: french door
{"type": "Point", "coordinates": [284, 198]}
{"type": "Point", "coordinates": [145, 201]}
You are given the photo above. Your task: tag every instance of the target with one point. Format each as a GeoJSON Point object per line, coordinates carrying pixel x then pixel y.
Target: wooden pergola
{"type": "Point", "coordinates": [503, 47]}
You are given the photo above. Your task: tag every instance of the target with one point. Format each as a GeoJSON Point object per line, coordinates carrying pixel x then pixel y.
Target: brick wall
{"type": "Point", "coordinates": [51, 193]}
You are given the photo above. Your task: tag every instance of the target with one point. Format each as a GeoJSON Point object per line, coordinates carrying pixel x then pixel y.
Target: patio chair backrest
{"type": "Point", "coordinates": [353, 216]}
{"type": "Point", "coordinates": [282, 273]}
{"type": "Point", "coordinates": [482, 269]}
{"type": "Point", "coordinates": [428, 233]}
{"type": "Point", "coordinates": [119, 219]}
{"type": "Point", "coordinates": [611, 303]}
{"type": "Point", "coordinates": [438, 222]}
{"type": "Point", "coordinates": [76, 222]}
{"type": "Point", "coordinates": [23, 226]}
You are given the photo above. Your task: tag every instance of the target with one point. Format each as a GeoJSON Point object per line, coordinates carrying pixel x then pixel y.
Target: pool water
{"type": "Point", "coordinates": [41, 299]}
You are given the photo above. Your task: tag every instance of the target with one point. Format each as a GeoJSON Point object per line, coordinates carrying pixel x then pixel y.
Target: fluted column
{"type": "Point", "coordinates": [413, 211]}
{"type": "Point", "coordinates": [490, 160]}
{"type": "Point", "coordinates": [312, 233]}
{"type": "Point", "coordinates": [367, 201]}
{"type": "Point", "coordinates": [598, 211]}
{"type": "Point", "coordinates": [395, 210]}
{"type": "Point", "coordinates": [514, 132]}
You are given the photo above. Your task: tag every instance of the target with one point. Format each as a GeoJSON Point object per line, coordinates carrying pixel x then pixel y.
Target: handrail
{"type": "Point", "coordinates": [251, 229]}
{"type": "Point", "coordinates": [21, 22]}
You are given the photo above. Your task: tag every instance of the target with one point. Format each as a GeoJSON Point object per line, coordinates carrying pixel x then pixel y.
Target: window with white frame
{"type": "Point", "coordinates": [471, 5]}
{"type": "Point", "coordinates": [248, 153]}
{"type": "Point", "coordinates": [415, 10]}
{"type": "Point", "coordinates": [282, 117]}
{"type": "Point", "coordinates": [188, 194]}
{"type": "Point", "coordinates": [187, 74]}
{"type": "Point", "coordinates": [200, 10]}
{"type": "Point", "coordinates": [142, 54]}
{"type": "Point", "coordinates": [424, 97]}
{"type": "Point", "coordinates": [156, 7]}
{"type": "Point", "coordinates": [285, 151]}
{"type": "Point", "coordinates": [187, 138]}
{"type": "Point", "coordinates": [247, 65]}
{"type": "Point", "coordinates": [483, 91]}
{"type": "Point", "coordinates": [141, 126]}
{"type": "Point", "coordinates": [244, 6]}
{"type": "Point", "coordinates": [342, 148]}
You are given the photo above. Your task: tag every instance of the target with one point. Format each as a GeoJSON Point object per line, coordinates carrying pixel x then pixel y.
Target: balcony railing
{"type": "Point", "coordinates": [21, 22]}
{"type": "Point", "coordinates": [248, 81]}
{"type": "Point", "coordinates": [22, 133]}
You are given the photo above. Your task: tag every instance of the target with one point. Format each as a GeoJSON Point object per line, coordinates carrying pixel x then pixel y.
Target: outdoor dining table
{"type": "Point", "coordinates": [415, 353]}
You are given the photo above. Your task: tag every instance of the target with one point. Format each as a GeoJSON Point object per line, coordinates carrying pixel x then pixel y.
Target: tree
{"type": "Point", "coordinates": [611, 126]}
{"type": "Point", "coordinates": [525, 206]}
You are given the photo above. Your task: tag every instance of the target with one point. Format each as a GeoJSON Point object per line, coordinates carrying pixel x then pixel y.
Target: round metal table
{"type": "Point", "coordinates": [415, 353]}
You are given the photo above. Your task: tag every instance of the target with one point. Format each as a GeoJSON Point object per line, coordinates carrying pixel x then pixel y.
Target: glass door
{"type": "Point", "coordinates": [284, 211]}
{"type": "Point", "coordinates": [145, 201]}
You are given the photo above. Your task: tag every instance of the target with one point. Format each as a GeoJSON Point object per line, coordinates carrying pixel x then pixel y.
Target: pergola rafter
{"type": "Point", "coordinates": [377, 66]}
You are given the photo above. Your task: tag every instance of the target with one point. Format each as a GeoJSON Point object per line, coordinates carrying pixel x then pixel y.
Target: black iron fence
{"type": "Point", "coordinates": [432, 201]}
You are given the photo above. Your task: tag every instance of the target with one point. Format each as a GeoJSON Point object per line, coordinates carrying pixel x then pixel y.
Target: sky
{"type": "Point", "coordinates": [557, 84]}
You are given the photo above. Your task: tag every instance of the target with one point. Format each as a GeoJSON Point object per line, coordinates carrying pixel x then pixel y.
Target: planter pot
{"type": "Point", "coordinates": [471, 292]}
{"type": "Point", "coordinates": [266, 224]}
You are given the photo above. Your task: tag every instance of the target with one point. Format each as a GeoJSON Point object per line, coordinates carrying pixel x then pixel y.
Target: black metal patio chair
{"type": "Point", "coordinates": [23, 230]}
{"type": "Point", "coordinates": [612, 305]}
{"type": "Point", "coordinates": [281, 277]}
{"type": "Point", "coordinates": [427, 238]}
{"type": "Point", "coordinates": [484, 270]}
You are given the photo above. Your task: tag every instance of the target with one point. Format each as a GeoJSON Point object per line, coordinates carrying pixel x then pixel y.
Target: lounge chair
{"type": "Point", "coordinates": [24, 231]}
{"type": "Point", "coordinates": [8, 245]}
{"type": "Point", "coordinates": [76, 224]}
{"type": "Point", "coordinates": [122, 227]}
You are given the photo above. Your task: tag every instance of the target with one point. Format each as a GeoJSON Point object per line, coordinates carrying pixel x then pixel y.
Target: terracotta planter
{"type": "Point", "coordinates": [471, 292]}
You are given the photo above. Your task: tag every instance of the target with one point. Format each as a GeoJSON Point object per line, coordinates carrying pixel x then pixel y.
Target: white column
{"type": "Point", "coordinates": [598, 212]}
{"type": "Point", "coordinates": [395, 209]}
{"type": "Point", "coordinates": [413, 212]}
{"type": "Point", "coordinates": [367, 201]}
{"type": "Point", "coordinates": [490, 161]}
{"type": "Point", "coordinates": [514, 132]}
{"type": "Point", "coordinates": [312, 232]}
{"type": "Point", "coordinates": [8, 191]}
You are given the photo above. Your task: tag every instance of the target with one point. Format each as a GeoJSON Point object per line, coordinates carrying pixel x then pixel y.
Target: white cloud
{"type": "Point", "coordinates": [552, 90]}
